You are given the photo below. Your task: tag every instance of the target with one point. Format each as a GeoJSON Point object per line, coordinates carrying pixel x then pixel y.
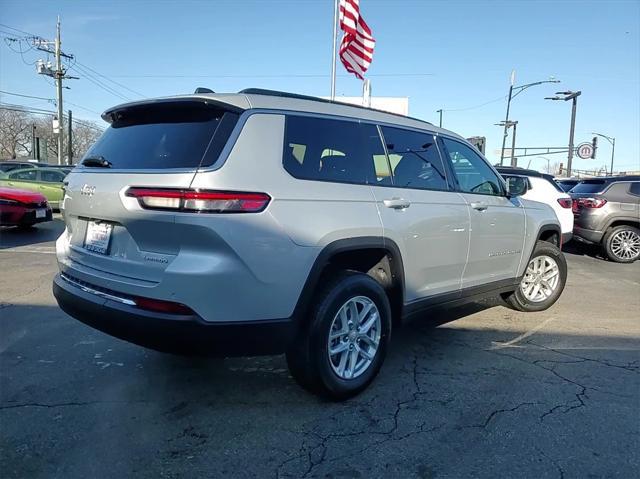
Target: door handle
{"type": "Point", "coordinates": [397, 203]}
{"type": "Point", "coordinates": [479, 205]}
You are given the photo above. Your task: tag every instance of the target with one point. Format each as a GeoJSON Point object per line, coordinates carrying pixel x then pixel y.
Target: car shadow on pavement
{"type": "Point", "coordinates": [583, 249]}
{"type": "Point", "coordinates": [11, 237]}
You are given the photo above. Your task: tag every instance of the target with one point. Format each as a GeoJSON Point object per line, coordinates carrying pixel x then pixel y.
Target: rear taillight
{"type": "Point", "coordinates": [198, 201]}
{"type": "Point", "coordinates": [160, 306]}
{"type": "Point", "coordinates": [565, 202]}
{"type": "Point", "coordinates": [588, 203]}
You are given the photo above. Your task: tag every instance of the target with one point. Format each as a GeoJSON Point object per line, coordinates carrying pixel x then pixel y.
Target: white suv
{"type": "Point", "coordinates": [543, 188]}
{"type": "Point", "coordinates": [264, 222]}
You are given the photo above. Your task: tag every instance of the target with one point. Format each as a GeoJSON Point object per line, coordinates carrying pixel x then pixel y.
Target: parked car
{"type": "Point", "coordinates": [47, 181]}
{"type": "Point", "coordinates": [6, 166]}
{"type": "Point", "coordinates": [23, 208]}
{"type": "Point", "coordinates": [607, 213]}
{"type": "Point", "coordinates": [266, 222]}
{"type": "Point", "coordinates": [542, 187]}
{"type": "Point", "coordinates": [567, 183]}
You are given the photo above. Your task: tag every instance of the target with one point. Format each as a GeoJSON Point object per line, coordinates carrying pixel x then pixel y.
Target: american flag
{"type": "Point", "coordinates": [356, 49]}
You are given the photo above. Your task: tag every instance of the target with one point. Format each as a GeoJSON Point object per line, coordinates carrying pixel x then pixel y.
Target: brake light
{"type": "Point", "coordinates": [589, 203]}
{"type": "Point", "coordinates": [565, 202]}
{"type": "Point", "coordinates": [160, 306]}
{"type": "Point", "coordinates": [199, 201]}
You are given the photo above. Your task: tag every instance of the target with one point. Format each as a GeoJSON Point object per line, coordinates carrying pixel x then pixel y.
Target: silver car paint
{"type": "Point", "coordinates": [253, 267]}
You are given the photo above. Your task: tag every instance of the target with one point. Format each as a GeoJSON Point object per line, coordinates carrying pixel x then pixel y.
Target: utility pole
{"type": "Point", "coordinates": [514, 161]}
{"type": "Point", "coordinates": [440, 111]}
{"type": "Point", "coordinates": [59, 74]}
{"type": "Point", "coordinates": [513, 92]}
{"type": "Point", "coordinates": [70, 139]}
{"type": "Point", "coordinates": [573, 96]}
{"type": "Point", "coordinates": [508, 124]}
{"type": "Point", "coordinates": [33, 141]}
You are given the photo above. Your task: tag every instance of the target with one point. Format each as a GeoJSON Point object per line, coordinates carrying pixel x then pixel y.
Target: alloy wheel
{"type": "Point", "coordinates": [541, 279]}
{"type": "Point", "coordinates": [625, 245]}
{"type": "Point", "coordinates": [354, 337]}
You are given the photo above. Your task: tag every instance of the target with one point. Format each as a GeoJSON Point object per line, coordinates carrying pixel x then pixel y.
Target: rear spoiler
{"type": "Point", "coordinates": [233, 103]}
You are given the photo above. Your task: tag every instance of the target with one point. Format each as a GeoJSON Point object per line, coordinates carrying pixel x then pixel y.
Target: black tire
{"type": "Point", "coordinates": [308, 358]}
{"type": "Point", "coordinates": [608, 239]}
{"type": "Point", "coordinates": [518, 301]}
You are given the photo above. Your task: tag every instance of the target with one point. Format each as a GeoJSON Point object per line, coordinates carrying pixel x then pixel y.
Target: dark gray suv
{"type": "Point", "coordinates": [607, 212]}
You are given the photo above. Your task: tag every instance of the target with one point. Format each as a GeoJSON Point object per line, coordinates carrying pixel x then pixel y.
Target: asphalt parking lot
{"type": "Point", "coordinates": [480, 391]}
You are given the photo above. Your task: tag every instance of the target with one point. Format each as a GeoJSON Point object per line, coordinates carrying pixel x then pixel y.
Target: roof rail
{"type": "Point", "coordinates": [284, 94]}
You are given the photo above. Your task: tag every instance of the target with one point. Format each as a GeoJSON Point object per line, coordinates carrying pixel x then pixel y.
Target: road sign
{"type": "Point", "coordinates": [584, 151]}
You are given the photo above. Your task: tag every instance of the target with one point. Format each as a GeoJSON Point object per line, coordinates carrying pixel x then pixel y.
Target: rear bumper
{"type": "Point", "coordinates": [566, 237]}
{"type": "Point", "coordinates": [20, 216]}
{"type": "Point", "coordinates": [180, 334]}
{"type": "Point", "coordinates": [589, 236]}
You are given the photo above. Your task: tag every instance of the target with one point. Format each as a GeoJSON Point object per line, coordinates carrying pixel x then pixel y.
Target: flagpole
{"type": "Point", "coordinates": [333, 50]}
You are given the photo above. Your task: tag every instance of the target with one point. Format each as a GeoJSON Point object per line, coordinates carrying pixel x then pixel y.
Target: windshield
{"type": "Point", "coordinates": [164, 136]}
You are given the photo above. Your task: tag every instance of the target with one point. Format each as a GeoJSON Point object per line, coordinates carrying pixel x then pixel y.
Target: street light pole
{"type": "Point", "coordinates": [440, 111]}
{"type": "Point", "coordinates": [514, 161]}
{"type": "Point", "coordinates": [573, 96]}
{"type": "Point", "coordinates": [611, 140]}
{"type": "Point", "coordinates": [513, 92]}
{"type": "Point", "coordinates": [506, 122]}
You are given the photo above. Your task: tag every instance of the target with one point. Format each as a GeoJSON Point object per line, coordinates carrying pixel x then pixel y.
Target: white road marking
{"type": "Point", "coordinates": [515, 341]}
{"type": "Point", "coordinates": [30, 249]}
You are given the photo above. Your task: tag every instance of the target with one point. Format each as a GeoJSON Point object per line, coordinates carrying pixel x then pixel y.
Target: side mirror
{"type": "Point", "coordinates": [517, 185]}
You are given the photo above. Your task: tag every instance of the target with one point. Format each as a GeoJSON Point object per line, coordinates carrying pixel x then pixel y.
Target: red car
{"type": "Point", "coordinates": [23, 208]}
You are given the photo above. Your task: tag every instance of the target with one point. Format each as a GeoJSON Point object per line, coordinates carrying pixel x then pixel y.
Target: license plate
{"type": "Point", "coordinates": [41, 213]}
{"type": "Point", "coordinates": [98, 236]}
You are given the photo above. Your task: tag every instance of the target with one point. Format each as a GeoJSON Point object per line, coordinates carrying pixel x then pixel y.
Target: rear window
{"type": "Point", "coordinates": [165, 136]}
{"type": "Point", "coordinates": [589, 186]}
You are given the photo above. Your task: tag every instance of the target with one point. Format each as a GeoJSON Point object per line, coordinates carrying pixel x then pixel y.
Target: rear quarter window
{"type": "Point", "coordinates": [325, 149]}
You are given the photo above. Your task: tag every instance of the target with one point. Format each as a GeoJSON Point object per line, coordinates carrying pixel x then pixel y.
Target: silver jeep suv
{"type": "Point", "coordinates": [264, 222]}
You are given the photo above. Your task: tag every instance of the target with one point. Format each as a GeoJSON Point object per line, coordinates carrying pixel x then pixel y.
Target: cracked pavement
{"type": "Point", "coordinates": [480, 391]}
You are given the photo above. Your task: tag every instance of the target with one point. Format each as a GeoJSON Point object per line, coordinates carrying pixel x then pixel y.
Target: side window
{"type": "Point", "coordinates": [51, 176]}
{"type": "Point", "coordinates": [473, 173]}
{"type": "Point", "coordinates": [415, 160]}
{"type": "Point", "coordinates": [634, 189]}
{"type": "Point", "coordinates": [332, 150]}
{"type": "Point", "coordinates": [29, 175]}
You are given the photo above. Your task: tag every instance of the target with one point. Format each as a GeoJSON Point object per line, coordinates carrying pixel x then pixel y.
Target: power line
{"type": "Point", "coordinates": [99, 83]}
{"type": "Point", "coordinates": [285, 75]}
{"type": "Point", "coordinates": [478, 106]}
{"type": "Point", "coordinates": [17, 30]}
{"type": "Point", "coordinates": [26, 96]}
{"type": "Point", "coordinates": [40, 111]}
{"type": "Point", "coordinates": [109, 79]}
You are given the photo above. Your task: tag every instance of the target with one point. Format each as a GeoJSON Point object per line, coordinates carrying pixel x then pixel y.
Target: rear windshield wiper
{"type": "Point", "coordinates": [96, 161]}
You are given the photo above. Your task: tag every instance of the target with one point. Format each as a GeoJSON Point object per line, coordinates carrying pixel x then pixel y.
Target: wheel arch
{"type": "Point", "coordinates": [378, 257]}
{"type": "Point", "coordinates": [551, 233]}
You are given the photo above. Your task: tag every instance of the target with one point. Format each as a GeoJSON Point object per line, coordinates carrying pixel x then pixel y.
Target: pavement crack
{"type": "Point", "coordinates": [495, 413]}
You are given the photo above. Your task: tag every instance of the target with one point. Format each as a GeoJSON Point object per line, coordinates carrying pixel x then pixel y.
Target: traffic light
{"type": "Point", "coordinates": [560, 169]}
{"type": "Point", "coordinates": [594, 143]}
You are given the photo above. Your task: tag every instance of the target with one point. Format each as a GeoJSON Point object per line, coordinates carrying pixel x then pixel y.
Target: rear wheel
{"type": "Point", "coordinates": [622, 244]}
{"type": "Point", "coordinates": [543, 280]}
{"type": "Point", "coordinates": [341, 348]}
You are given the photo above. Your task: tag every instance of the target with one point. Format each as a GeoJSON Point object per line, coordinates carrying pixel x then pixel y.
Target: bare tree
{"type": "Point", "coordinates": [84, 136]}
{"type": "Point", "coordinates": [15, 133]}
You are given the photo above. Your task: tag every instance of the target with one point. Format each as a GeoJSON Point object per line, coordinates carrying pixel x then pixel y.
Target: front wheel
{"type": "Point", "coordinates": [622, 244]}
{"type": "Point", "coordinates": [543, 280]}
{"type": "Point", "coordinates": [342, 346]}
